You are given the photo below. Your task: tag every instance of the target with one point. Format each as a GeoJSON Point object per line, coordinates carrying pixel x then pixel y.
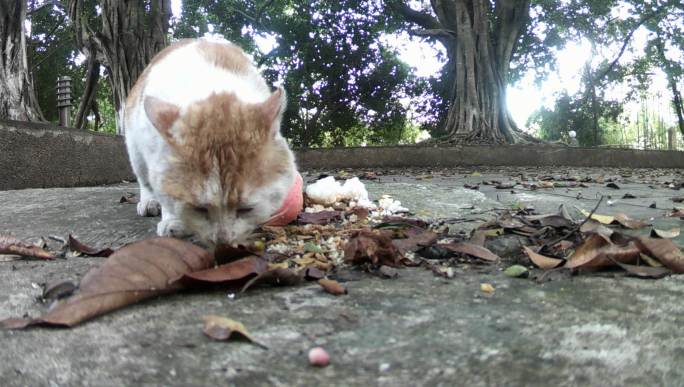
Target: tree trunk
{"type": "Point", "coordinates": [679, 109]}
{"type": "Point", "coordinates": [17, 96]}
{"type": "Point", "coordinates": [672, 81]}
{"type": "Point", "coordinates": [88, 101]}
{"type": "Point", "coordinates": [480, 37]}
{"type": "Point", "coordinates": [131, 33]}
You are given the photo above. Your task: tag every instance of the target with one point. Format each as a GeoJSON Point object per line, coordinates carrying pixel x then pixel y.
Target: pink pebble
{"type": "Point", "coordinates": [318, 357]}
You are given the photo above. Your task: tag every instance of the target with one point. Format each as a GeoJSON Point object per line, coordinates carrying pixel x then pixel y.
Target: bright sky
{"type": "Point", "coordinates": [525, 97]}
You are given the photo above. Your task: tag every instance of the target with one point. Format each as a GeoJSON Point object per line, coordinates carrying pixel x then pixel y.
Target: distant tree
{"type": "Point", "coordinates": [129, 35]}
{"type": "Point", "coordinates": [480, 38]}
{"type": "Point", "coordinates": [17, 95]}
{"type": "Point", "coordinates": [571, 113]}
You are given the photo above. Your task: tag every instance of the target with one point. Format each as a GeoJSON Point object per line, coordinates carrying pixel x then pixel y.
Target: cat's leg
{"type": "Point", "coordinates": [148, 205]}
{"type": "Point", "coordinates": [170, 225]}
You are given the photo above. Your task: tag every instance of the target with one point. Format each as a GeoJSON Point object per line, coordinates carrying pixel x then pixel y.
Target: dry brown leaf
{"type": "Point", "coordinates": [323, 217]}
{"type": "Point", "coordinates": [472, 250]}
{"type": "Point", "coordinates": [555, 221]}
{"type": "Point", "coordinates": [234, 273]}
{"type": "Point", "coordinates": [594, 227]}
{"type": "Point", "coordinates": [417, 238]}
{"type": "Point", "coordinates": [223, 329]}
{"type": "Point", "coordinates": [598, 252]}
{"type": "Point", "coordinates": [398, 220]}
{"type": "Point", "coordinates": [277, 277]}
{"type": "Point", "coordinates": [542, 262]}
{"type": "Point", "coordinates": [80, 247]}
{"type": "Point", "coordinates": [14, 246]}
{"type": "Point", "coordinates": [645, 271]}
{"type": "Point", "coordinates": [604, 219]}
{"type": "Point", "coordinates": [479, 237]}
{"type": "Point", "coordinates": [665, 251]}
{"type": "Point", "coordinates": [667, 234]}
{"type": "Point", "coordinates": [676, 213]}
{"type": "Point", "coordinates": [133, 273]}
{"type": "Point", "coordinates": [128, 199]}
{"type": "Point", "coordinates": [630, 223]}
{"type": "Point", "coordinates": [332, 286]}
{"type": "Point", "coordinates": [366, 246]}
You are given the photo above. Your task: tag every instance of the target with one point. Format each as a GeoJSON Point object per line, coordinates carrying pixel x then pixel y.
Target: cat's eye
{"type": "Point", "coordinates": [244, 210]}
{"type": "Point", "coordinates": [204, 210]}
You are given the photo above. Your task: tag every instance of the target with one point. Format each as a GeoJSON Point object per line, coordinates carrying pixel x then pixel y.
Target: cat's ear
{"type": "Point", "coordinates": [273, 109]}
{"type": "Point", "coordinates": [162, 115]}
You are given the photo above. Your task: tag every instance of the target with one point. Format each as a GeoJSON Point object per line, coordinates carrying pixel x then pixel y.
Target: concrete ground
{"type": "Point", "coordinates": [418, 329]}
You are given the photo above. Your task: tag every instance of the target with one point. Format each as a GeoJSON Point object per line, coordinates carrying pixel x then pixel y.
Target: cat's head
{"type": "Point", "coordinates": [230, 169]}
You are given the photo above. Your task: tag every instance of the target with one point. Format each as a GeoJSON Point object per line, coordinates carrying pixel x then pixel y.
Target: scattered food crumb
{"type": "Point", "coordinates": [487, 288]}
{"type": "Point", "coordinates": [318, 357]}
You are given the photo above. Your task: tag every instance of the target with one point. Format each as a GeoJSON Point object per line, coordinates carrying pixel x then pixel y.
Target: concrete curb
{"type": "Point", "coordinates": [504, 155]}
{"type": "Point", "coordinates": [36, 155]}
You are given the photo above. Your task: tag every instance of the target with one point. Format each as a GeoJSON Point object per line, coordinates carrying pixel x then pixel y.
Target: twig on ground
{"type": "Point", "coordinates": [574, 229]}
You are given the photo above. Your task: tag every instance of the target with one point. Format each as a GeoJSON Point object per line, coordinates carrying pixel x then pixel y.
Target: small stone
{"type": "Point", "coordinates": [384, 367]}
{"type": "Point", "coordinates": [516, 271]}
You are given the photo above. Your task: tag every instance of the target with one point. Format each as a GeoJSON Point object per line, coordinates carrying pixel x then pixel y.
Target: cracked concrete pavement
{"type": "Point", "coordinates": [415, 330]}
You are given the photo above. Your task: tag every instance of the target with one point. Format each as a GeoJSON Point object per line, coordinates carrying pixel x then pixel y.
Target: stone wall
{"type": "Point", "coordinates": [43, 155]}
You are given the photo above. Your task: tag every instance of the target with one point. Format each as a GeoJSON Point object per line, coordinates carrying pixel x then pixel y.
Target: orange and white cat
{"type": "Point", "coordinates": [203, 135]}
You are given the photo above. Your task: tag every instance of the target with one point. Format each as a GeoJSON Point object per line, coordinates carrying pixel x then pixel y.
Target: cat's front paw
{"type": "Point", "coordinates": [172, 228]}
{"type": "Point", "coordinates": [149, 207]}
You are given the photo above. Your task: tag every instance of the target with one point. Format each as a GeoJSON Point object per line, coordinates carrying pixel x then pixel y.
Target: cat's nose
{"type": "Point", "coordinates": [226, 237]}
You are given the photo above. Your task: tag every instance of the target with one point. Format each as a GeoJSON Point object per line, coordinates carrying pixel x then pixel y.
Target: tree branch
{"type": "Point", "coordinates": [435, 33]}
{"type": "Point", "coordinates": [422, 19]}
{"type": "Point", "coordinates": [54, 3]}
{"type": "Point", "coordinates": [625, 43]}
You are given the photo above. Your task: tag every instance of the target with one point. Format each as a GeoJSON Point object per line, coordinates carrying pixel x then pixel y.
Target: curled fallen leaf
{"type": "Point", "coordinates": [128, 199]}
{"type": "Point", "coordinates": [598, 252]}
{"type": "Point", "coordinates": [276, 277]}
{"type": "Point", "coordinates": [14, 246]}
{"type": "Point", "coordinates": [322, 217]}
{"type": "Point", "coordinates": [620, 218]}
{"type": "Point", "coordinates": [594, 227]}
{"type": "Point", "coordinates": [630, 223]}
{"type": "Point", "coordinates": [645, 271]}
{"type": "Point", "coordinates": [472, 250]}
{"type": "Point", "coordinates": [542, 261]}
{"type": "Point", "coordinates": [58, 289]}
{"type": "Point", "coordinates": [667, 234]}
{"type": "Point", "coordinates": [366, 246]}
{"type": "Point", "coordinates": [604, 219]}
{"type": "Point", "coordinates": [665, 251]}
{"type": "Point", "coordinates": [80, 247]}
{"type": "Point", "coordinates": [133, 273]}
{"type": "Point", "coordinates": [332, 286]}
{"type": "Point", "coordinates": [234, 273]}
{"type": "Point", "coordinates": [223, 329]}
{"type": "Point", "coordinates": [417, 238]}
{"type": "Point", "coordinates": [676, 213]}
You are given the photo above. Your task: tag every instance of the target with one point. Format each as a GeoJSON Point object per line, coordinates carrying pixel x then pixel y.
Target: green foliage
{"type": "Point", "coordinates": [573, 113]}
{"type": "Point", "coordinates": [343, 87]}
{"type": "Point", "coordinates": [51, 52]}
